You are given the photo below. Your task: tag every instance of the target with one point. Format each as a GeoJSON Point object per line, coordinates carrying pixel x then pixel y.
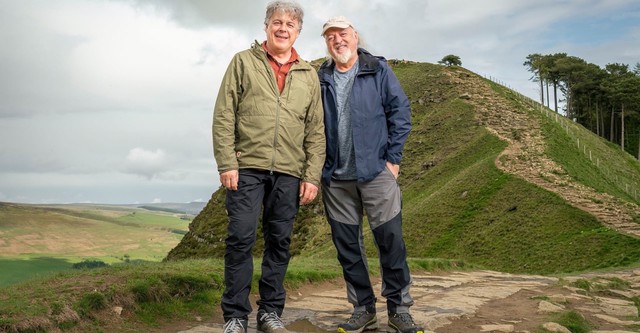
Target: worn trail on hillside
{"type": "Point", "coordinates": [525, 157]}
{"type": "Point", "coordinates": [465, 302]}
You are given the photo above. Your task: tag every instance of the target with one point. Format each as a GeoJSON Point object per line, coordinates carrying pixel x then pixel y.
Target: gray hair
{"type": "Point", "coordinates": [289, 7]}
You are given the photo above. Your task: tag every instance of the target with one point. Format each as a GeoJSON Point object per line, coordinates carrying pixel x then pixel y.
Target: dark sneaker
{"type": "Point", "coordinates": [235, 325]}
{"type": "Point", "coordinates": [269, 322]}
{"type": "Point", "coordinates": [360, 321]}
{"type": "Point", "coordinates": [403, 323]}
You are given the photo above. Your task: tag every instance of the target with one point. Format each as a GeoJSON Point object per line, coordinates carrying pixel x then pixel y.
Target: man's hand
{"type": "Point", "coordinates": [308, 192]}
{"type": "Point", "coordinates": [229, 179]}
{"type": "Point", "coordinates": [394, 168]}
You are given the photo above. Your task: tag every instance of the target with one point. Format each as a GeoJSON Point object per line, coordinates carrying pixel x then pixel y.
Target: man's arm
{"type": "Point", "coordinates": [314, 146]}
{"type": "Point", "coordinates": [314, 140]}
{"type": "Point", "coordinates": [223, 127]}
{"type": "Point", "coordinates": [398, 111]}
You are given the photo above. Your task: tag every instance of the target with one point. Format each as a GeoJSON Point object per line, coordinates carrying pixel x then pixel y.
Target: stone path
{"type": "Point", "coordinates": [479, 301]}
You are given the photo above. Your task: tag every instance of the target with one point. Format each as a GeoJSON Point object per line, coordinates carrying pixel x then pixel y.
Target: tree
{"type": "Point", "coordinates": [555, 67]}
{"type": "Point", "coordinates": [571, 72]}
{"type": "Point", "coordinates": [586, 96]}
{"type": "Point", "coordinates": [89, 264]}
{"type": "Point", "coordinates": [623, 89]}
{"type": "Point", "coordinates": [535, 64]}
{"type": "Point", "coordinates": [451, 60]}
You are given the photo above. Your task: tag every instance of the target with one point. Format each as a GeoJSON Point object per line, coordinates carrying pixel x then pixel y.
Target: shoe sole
{"type": "Point", "coordinates": [260, 330]}
{"type": "Point", "coordinates": [398, 330]}
{"type": "Point", "coordinates": [372, 325]}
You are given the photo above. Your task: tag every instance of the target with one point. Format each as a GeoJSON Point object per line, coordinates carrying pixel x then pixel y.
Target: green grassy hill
{"type": "Point", "coordinates": [527, 216]}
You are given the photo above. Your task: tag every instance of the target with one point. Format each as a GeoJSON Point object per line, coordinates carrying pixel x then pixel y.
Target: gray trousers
{"type": "Point", "coordinates": [276, 197]}
{"type": "Point", "coordinates": [381, 199]}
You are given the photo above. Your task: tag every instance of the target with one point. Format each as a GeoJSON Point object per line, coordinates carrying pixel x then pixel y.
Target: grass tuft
{"type": "Point", "coordinates": [90, 302]}
{"type": "Point", "coordinates": [575, 322]}
{"type": "Point", "coordinates": [582, 284]}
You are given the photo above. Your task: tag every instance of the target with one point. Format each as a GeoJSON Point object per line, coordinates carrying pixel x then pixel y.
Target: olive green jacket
{"type": "Point", "coordinates": [255, 126]}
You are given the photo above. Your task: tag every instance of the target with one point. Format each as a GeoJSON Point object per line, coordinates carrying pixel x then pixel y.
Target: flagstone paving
{"type": "Point", "coordinates": [477, 301]}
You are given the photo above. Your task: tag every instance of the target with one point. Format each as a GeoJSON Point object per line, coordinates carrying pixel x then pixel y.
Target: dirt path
{"type": "Point", "coordinates": [480, 301]}
{"type": "Point", "coordinates": [525, 158]}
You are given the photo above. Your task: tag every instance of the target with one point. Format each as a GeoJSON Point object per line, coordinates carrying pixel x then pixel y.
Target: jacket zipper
{"type": "Point", "coordinates": [275, 136]}
{"type": "Point", "coordinates": [287, 88]}
{"type": "Point", "coordinates": [274, 85]}
{"type": "Point", "coordinates": [277, 125]}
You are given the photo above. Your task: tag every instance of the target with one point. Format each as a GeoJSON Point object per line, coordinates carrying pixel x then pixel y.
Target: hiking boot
{"type": "Point", "coordinates": [235, 325]}
{"type": "Point", "coordinates": [360, 320]}
{"type": "Point", "coordinates": [269, 322]}
{"type": "Point", "coordinates": [403, 323]}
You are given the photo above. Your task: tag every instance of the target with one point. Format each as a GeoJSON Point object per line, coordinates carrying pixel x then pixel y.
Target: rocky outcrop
{"type": "Point", "coordinates": [207, 231]}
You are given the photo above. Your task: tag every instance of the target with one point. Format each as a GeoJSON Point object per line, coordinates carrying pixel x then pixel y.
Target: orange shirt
{"type": "Point", "coordinates": [281, 70]}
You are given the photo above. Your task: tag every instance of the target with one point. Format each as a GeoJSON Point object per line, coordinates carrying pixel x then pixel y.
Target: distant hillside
{"type": "Point", "coordinates": [191, 208]}
{"type": "Point", "coordinates": [489, 178]}
{"type": "Point", "coordinates": [38, 239]}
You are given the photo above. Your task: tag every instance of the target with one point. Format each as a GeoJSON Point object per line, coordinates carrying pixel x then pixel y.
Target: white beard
{"type": "Point", "coordinates": [344, 57]}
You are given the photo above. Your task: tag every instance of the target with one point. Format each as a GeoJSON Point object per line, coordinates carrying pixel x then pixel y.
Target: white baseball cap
{"type": "Point", "coordinates": [336, 22]}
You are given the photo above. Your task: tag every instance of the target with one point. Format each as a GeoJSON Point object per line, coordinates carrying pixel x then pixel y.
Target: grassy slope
{"type": "Point", "coordinates": [83, 300]}
{"type": "Point", "coordinates": [151, 295]}
{"type": "Point", "coordinates": [601, 165]}
{"type": "Point", "coordinates": [463, 207]}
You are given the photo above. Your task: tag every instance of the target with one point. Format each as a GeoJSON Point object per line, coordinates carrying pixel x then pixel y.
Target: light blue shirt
{"type": "Point", "coordinates": [346, 169]}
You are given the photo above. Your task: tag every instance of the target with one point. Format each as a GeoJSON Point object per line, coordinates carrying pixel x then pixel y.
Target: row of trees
{"type": "Point", "coordinates": [605, 100]}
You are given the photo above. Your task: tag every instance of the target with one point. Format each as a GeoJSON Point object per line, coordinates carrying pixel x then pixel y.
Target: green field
{"type": "Point", "coordinates": [36, 240]}
{"type": "Point", "coordinates": [17, 270]}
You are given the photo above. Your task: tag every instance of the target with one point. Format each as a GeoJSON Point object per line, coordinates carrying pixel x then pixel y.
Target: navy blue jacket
{"type": "Point", "coordinates": [380, 117]}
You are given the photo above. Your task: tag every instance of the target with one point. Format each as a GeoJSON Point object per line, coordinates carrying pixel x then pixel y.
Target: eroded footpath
{"type": "Point", "coordinates": [478, 301]}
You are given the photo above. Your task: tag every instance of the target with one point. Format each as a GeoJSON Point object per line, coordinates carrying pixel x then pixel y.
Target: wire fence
{"type": "Point", "coordinates": [625, 184]}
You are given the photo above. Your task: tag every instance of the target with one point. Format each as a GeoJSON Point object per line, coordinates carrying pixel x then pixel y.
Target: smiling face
{"type": "Point", "coordinates": [342, 44]}
{"type": "Point", "coordinates": [282, 31]}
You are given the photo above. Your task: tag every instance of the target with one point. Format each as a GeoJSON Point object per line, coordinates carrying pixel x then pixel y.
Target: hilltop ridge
{"type": "Point", "coordinates": [525, 156]}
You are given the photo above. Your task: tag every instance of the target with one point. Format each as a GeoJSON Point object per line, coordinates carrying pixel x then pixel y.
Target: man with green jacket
{"type": "Point", "coordinates": [269, 145]}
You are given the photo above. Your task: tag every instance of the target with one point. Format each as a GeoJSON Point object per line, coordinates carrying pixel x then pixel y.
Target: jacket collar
{"type": "Point", "coordinates": [368, 63]}
{"type": "Point", "coordinates": [298, 64]}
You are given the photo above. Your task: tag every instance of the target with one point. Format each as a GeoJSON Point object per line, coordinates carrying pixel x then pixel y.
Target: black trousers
{"type": "Point", "coordinates": [396, 279]}
{"type": "Point", "coordinates": [381, 199]}
{"type": "Point", "coordinates": [275, 195]}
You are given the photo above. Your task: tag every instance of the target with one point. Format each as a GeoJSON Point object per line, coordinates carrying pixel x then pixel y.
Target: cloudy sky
{"type": "Point", "coordinates": [111, 101]}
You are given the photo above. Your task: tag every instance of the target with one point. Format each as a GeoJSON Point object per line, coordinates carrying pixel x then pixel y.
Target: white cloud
{"type": "Point", "coordinates": [146, 163]}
